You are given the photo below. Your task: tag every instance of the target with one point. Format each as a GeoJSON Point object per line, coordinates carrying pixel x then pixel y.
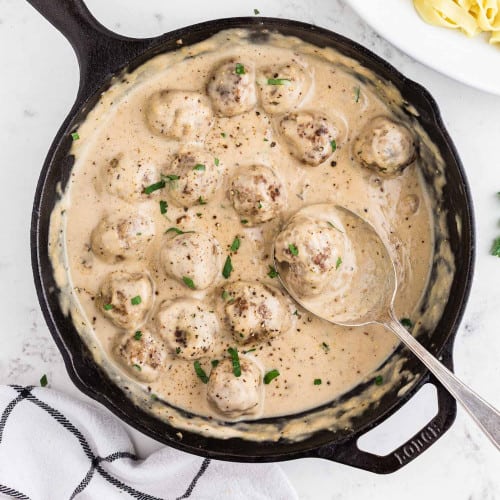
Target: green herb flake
{"type": "Point", "coordinates": [406, 322]}
{"type": "Point", "coordinates": [200, 167]}
{"type": "Point", "coordinates": [325, 346]}
{"type": "Point", "coordinates": [223, 134]}
{"type": "Point", "coordinates": [338, 263]}
{"type": "Point", "coordinates": [357, 91]}
{"type": "Point", "coordinates": [259, 205]}
{"type": "Point", "coordinates": [235, 245]}
{"type": "Point", "coordinates": [249, 350]}
{"type": "Point", "coordinates": [135, 301]}
{"type": "Point", "coordinates": [171, 177]}
{"type": "Point", "coordinates": [495, 248]}
{"type": "Point", "coordinates": [272, 272]}
{"type": "Point", "coordinates": [177, 350]}
{"type": "Point", "coordinates": [317, 381]}
{"type": "Point", "coordinates": [244, 221]}
{"type": "Point", "coordinates": [278, 81]}
{"type": "Point", "coordinates": [108, 307]}
{"type": "Point", "coordinates": [214, 363]}
{"type": "Point", "coordinates": [200, 372]}
{"type": "Point", "coordinates": [138, 335]}
{"type": "Point", "coordinates": [270, 376]}
{"type": "Point", "coordinates": [201, 201]}
{"type": "Point", "coordinates": [188, 282]}
{"type": "Point", "coordinates": [176, 230]}
{"type": "Point", "coordinates": [293, 249]}
{"type": "Point", "coordinates": [44, 381]}
{"type": "Point", "coordinates": [256, 12]}
{"type": "Point", "coordinates": [154, 397]}
{"type": "Point", "coordinates": [163, 207]}
{"type": "Point", "coordinates": [75, 136]}
{"type": "Point", "coordinates": [332, 225]}
{"type": "Point", "coordinates": [217, 162]}
{"type": "Point", "coordinates": [225, 294]}
{"type": "Point", "coordinates": [137, 367]}
{"type": "Point", "coordinates": [379, 380]}
{"type": "Point", "coordinates": [236, 361]}
{"type": "Point", "coordinates": [228, 267]}
{"type": "Point", "coordinates": [333, 144]}
{"type": "Point", "coordinates": [154, 187]}
{"type": "Point", "coordinates": [239, 69]}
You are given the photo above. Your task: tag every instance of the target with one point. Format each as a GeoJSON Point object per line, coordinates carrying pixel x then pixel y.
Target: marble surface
{"type": "Point", "coordinates": [39, 78]}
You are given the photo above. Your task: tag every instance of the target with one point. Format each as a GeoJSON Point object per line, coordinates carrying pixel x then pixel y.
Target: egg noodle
{"type": "Point", "coordinates": [470, 16]}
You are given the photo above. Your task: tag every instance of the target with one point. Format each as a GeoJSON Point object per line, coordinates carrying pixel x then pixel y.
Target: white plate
{"type": "Point", "coordinates": [470, 60]}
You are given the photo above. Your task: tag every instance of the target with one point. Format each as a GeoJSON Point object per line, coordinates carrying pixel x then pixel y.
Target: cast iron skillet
{"type": "Point", "coordinates": [103, 54]}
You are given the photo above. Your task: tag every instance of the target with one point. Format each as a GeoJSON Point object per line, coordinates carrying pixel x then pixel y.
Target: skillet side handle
{"type": "Point", "coordinates": [348, 453]}
{"type": "Point", "coordinates": [100, 52]}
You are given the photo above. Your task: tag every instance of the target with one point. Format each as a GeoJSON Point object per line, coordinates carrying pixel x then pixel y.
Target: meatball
{"type": "Point", "coordinates": [118, 237]}
{"type": "Point", "coordinates": [232, 88]}
{"type": "Point", "coordinates": [385, 146]}
{"type": "Point", "coordinates": [199, 177]}
{"type": "Point", "coordinates": [126, 298]}
{"type": "Point", "coordinates": [310, 137]}
{"type": "Point", "coordinates": [256, 312]}
{"type": "Point", "coordinates": [284, 87]}
{"type": "Point", "coordinates": [257, 194]}
{"type": "Point", "coordinates": [142, 354]}
{"type": "Point", "coordinates": [128, 180]}
{"type": "Point", "coordinates": [314, 250]}
{"type": "Point", "coordinates": [234, 396]}
{"type": "Point", "coordinates": [188, 327]}
{"type": "Point", "coordinates": [192, 258]}
{"type": "Point", "coordinates": [178, 114]}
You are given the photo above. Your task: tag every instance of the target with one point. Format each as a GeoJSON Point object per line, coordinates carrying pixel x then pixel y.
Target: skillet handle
{"type": "Point", "coordinates": [348, 452]}
{"type": "Point", "coordinates": [100, 52]}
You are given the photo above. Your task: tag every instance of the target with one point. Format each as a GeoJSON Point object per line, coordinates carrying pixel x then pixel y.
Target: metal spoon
{"type": "Point", "coordinates": [378, 270]}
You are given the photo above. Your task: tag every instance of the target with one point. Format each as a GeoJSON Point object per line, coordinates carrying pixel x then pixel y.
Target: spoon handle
{"type": "Point", "coordinates": [487, 417]}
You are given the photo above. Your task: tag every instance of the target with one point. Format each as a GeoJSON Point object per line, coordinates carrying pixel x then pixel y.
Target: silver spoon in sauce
{"type": "Point", "coordinates": [372, 286]}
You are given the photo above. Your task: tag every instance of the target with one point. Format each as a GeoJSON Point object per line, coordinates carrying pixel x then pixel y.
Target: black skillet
{"type": "Point", "coordinates": [103, 54]}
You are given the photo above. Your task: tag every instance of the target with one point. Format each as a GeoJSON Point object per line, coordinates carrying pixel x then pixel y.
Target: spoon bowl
{"type": "Point", "coordinates": [363, 292]}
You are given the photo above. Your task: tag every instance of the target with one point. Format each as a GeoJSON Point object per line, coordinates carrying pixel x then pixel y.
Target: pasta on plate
{"type": "Point", "coordinates": [470, 16]}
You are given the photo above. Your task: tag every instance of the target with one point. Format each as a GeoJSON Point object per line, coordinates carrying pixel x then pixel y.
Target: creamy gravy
{"type": "Point", "coordinates": [398, 207]}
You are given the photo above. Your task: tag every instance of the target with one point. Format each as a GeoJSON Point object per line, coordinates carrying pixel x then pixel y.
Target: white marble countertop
{"type": "Point", "coordinates": [38, 84]}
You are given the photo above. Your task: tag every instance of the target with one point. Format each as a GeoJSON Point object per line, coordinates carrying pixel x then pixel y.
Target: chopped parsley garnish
{"type": "Point", "coordinates": [138, 335]}
{"type": "Point", "coordinates": [154, 397]}
{"type": "Point", "coordinates": [256, 12]}
{"type": "Point", "coordinates": [269, 376]}
{"type": "Point", "coordinates": [223, 134]}
{"type": "Point", "coordinates": [495, 249]}
{"type": "Point", "coordinates": [228, 267]}
{"type": "Point", "coordinates": [333, 144]}
{"type": "Point", "coordinates": [244, 221]}
{"type": "Point", "coordinates": [272, 272]}
{"type": "Point", "coordinates": [225, 294]}
{"type": "Point", "coordinates": [176, 230]}
{"type": "Point", "coordinates": [137, 367]}
{"type": "Point", "coordinates": [108, 307]}
{"type": "Point", "coordinates": [406, 322]}
{"type": "Point", "coordinates": [171, 177]}
{"type": "Point", "coordinates": [188, 282]}
{"type": "Point", "coordinates": [199, 167]}
{"type": "Point", "coordinates": [259, 205]}
{"type": "Point", "coordinates": [325, 346]}
{"type": "Point", "coordinates": [154, 187]}
{"type": "Point", "coordinates": [235, 244]}
{"type": "Point", "coordinates": [357, 91]}
{"type": "Point", "coordinates": [201, 201]}
{"type": "Point", "coordinates": [293, 249]}
{"type": "Point", "coordinates": [296, 312]}
{"type": "Point", "coordinates": [135, 301]}
{"type": "Point", "coordinates": [239, 69]}
{"type": "Point", "coordinates": [338, 263]}
{"type": "Point", "coordinates": [236, 361]}
{"type": "Point", "coordinates": [163, 207]}
{"type": "Point", "coordinates": [217, 162]}
{"type": "Point", "coordinates": [200, 372]}
{"type": "Point", "coordinates": [43, 380]}
{"type": "Point", "coordinates": [379, 380]}
{"type": "Point", "coordinates": [75, 136]}
{"type": "Point", "coordinates": [278, 81]}
{"type": "Point", "coordinates": [249, 350]}
{"type": "Point", "coordinates": [177, 350]}
{"type": "Point", "coordinates": [331, 224]}
{"type": "Point", "coordinates": [317, 381]}
{"type": "Point", "coordinates": [214, 363]}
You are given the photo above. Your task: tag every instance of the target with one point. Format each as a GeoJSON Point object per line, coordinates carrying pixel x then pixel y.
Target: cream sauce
{"type": "Point", "coordinates": [313, 349]}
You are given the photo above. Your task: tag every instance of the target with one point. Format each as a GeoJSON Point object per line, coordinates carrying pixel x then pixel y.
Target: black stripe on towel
{"type": "Point", "coordinates": [203, 468]}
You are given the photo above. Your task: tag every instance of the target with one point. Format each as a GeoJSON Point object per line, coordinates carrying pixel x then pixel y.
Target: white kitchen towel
{"type": "Point", "coordinates": [53, 447]}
